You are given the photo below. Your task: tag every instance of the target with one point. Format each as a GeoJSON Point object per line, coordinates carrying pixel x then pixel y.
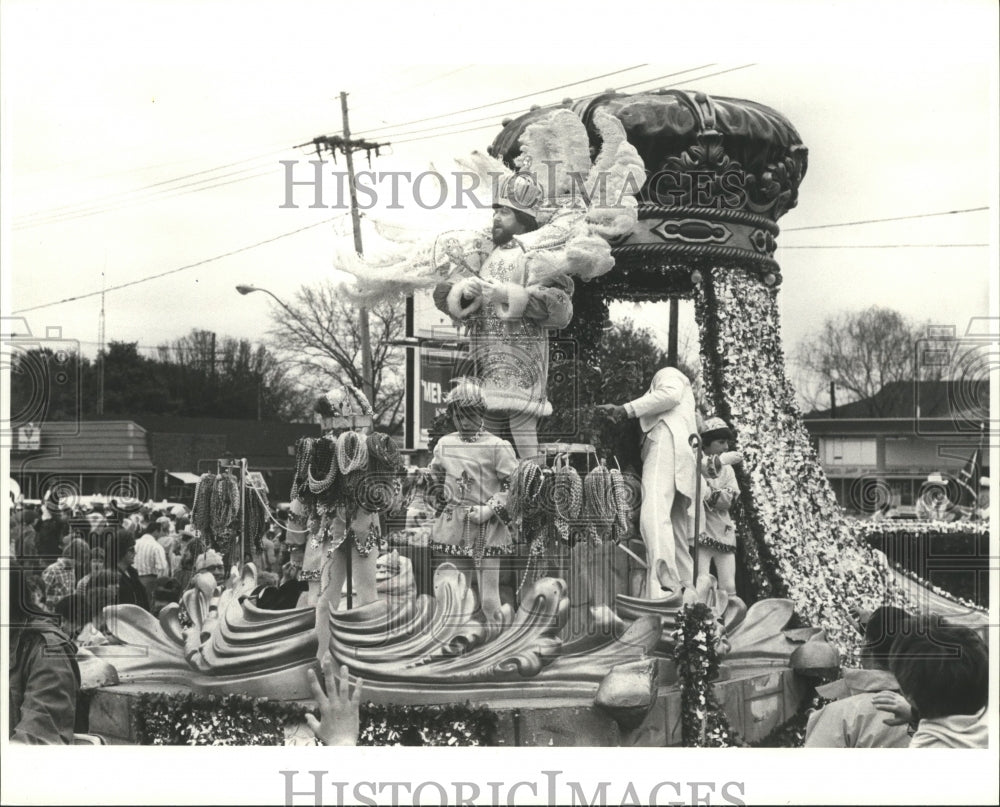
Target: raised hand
{"type": "Point", "coordinates": [339, 706]}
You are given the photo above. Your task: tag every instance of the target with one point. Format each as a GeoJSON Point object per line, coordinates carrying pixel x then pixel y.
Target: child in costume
{"type": "Point", "coordinates": [717, 543]}
{"type": "Point", "coordinates": [472, 466]}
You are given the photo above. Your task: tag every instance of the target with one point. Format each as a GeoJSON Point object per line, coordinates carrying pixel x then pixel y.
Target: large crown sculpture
{"type": "Point", "coordinates": [720, 172]}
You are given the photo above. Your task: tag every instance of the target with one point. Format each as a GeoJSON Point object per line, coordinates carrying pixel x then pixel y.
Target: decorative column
{"type": "Point", "coordinates": [720, 173]}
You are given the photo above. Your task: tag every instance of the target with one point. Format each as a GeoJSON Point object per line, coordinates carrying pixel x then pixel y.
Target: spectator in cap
{"type": "Point", "coordinates": [44, 677]}
{"type": "Point", "coordinates": [719, 492]}
{"type": "Point", "coordinates": [854, 720]}
{"type": "Point", "coordinates": [211, 561]}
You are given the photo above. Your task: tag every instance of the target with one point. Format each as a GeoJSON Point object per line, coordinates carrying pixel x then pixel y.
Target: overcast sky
{"type": "Point", "coordinates": [142, 138]}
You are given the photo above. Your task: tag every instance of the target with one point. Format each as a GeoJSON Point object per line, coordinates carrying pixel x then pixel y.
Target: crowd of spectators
{"type": "Point", "coordinates": [67, 564]}
{"type": "Point", "coordinates": [922, 682]}
{"type": "Point", "coordinates": [82, 559]}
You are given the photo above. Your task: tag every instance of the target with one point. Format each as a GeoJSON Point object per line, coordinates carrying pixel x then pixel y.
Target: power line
{"type": "Point", "coordinates": [893, 218]}
{"type": "Point", "coordinates": [878, 246]}
{"type": "Point", "coordinates": [165, 194]}
{"type": "Point", "coordinates": [181, 268]}
{"type": "Point", "coordinates": [111, 196]}
{"type": "Point", "coordinates": [381, 130]}
{"type": "Point", "coordinates": [493, 117]}
{"type": "Point", "coordinates": [518, 112]}
{"type": "Point", "coordinates": [696, 78]}
{"type": "Point", "coordinates": [122, 199]}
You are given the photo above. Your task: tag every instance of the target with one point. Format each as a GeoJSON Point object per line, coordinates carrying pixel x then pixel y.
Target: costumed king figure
{"type": "Point", "coordinates": [668, 418]}
{"type": "Point", "coordinates": [507, 311]}
{"type": "Point", "coordinates": [471, 467]}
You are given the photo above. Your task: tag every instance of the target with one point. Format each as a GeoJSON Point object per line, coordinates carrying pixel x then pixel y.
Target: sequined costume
{"type": "Point", "coordinates": [474, 473]}
{"type": "Point", "coordinates": [326, 539]}
{"type": "Point", "coordinates": [509, 344]}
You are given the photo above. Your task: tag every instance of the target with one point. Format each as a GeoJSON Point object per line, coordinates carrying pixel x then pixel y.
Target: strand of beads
{"type": "Point", "coordinates": [322, 470]}
{"type": "Point", "coordinates": [598, 511]}
{"type": "Point", "coordinates": [303, 458]}
{"type": "Point", "coordinates": [352, 452]}
{"type": "Point", "coordinates": [225, 511]}
{"type": "Point", "coordinates": [201, 509]}
{"type": "Point", "coordinates": [620, 506]}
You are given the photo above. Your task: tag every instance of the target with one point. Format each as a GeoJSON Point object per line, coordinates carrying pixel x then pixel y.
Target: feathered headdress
{"type": "Point", "coordinates": [579, 205]}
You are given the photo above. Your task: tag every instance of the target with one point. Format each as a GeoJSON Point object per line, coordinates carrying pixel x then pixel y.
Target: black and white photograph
{"type": "Point", "coordinates": [543, 404]}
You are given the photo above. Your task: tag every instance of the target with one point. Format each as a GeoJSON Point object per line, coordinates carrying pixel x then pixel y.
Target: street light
{"type": "Point", "coordinates": [244, 289]}
{"type": "Point", "coordinates": [366, 370]}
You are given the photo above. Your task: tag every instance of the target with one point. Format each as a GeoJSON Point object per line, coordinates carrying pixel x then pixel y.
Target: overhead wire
{"type": "Point", "coordinates": [101, 204]}
{"type": "Point", "coordinates": [165, 188]}
{"type": "Point", "coordinates": [163, 193]}
{"type": "Point", "coordinates": [181, 178]}
{"type": "Point", "coordinates": [396, 141]}
{"type": "Point", "coordinates": [194, 265]}
{"type": "Point", "coordinates": [381, 130]}
{"type": "Point", "coordinates": [891, 218]}
{"type": "Point", "coordinates": [877, 246]}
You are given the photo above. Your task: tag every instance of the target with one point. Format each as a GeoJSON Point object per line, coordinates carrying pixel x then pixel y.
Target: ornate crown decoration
{"type": "Point", "coordinates": [720, 172]}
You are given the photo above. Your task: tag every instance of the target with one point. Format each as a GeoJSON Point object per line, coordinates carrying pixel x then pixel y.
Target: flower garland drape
{"type": "Point", "coordinates": [795, 537]}
{"type": "Point", "coordinates": [703, 722]}
{"type": "Point", "coordinates": [191, 719]}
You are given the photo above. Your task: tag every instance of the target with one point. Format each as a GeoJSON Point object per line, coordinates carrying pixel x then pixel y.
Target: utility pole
{"type": "Point", "coordinates": [212, 371]}
{"type": "Point", "coordinates": [672, 333]}
{"type": "Point", "coordinates": [346, 146]}
{"type": "Point", "coordinates": [100, 351]}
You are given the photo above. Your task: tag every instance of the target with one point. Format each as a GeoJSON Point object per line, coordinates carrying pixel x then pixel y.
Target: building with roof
{"type": "Point", "coordinates": [149, 457]}
{"type": "Point", "coordinates": [883, 449]}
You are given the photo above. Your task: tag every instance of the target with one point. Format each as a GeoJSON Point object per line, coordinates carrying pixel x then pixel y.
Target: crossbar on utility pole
{"type": "Point", "coordinates": [345, 145]}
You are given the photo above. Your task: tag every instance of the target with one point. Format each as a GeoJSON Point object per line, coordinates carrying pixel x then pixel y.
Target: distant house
{"type": "Point", "coordinates": [885, 447]}
{"type": "Point", "coordinates": [152, 457]}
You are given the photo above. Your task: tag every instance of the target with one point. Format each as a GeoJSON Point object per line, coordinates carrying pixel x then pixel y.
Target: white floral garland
{"type": "Point", "coordinates": [816, 552]}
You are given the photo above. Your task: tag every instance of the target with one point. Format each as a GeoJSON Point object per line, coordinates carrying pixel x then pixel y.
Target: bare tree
{"type": "Point", "coordinates": [319, 337]}
{"type": "Point", "coordinates": [867, 355]}
{"type": "Point", "coordinates": [232, 377]}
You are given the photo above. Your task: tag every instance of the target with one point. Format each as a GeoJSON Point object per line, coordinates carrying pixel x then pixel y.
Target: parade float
{"type": "Point", "coordinates": [697, 185]}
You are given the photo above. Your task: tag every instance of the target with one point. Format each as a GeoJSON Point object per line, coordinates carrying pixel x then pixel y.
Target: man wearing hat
{"type": "Point", "coordinates": [508, 310]}
{"type": "Point", "coordinates": [211, 562]}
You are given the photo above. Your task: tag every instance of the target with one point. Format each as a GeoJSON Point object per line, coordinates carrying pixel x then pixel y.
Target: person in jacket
{"type": "Point", "coordinates": [853, 720]}
{"type": "Point", "coordinates": [121, 549]}
{"type": "Point", "coordinates": [44, 677]}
